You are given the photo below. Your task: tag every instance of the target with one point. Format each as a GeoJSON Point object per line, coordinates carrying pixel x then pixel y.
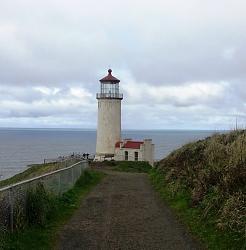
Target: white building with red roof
{"type": "Point", "coordinates": [130, 150]}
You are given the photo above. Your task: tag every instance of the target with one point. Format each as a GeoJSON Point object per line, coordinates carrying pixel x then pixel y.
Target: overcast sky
{"type": "Point", "coordinates": [182, 64]}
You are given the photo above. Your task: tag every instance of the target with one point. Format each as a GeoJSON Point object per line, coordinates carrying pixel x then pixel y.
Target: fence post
{"type": "Point", "coordinates": [59, 184]}
{"type": "Point", "coordinates": [73, 175]}
{"type": "Point", "coordinates": [80, 168]}
{"type": "Point", "coordinates": [11, 208]}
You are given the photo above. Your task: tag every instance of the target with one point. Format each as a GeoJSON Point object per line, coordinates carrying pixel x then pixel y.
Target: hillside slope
{"type": "Point", "coordinates": [212, 172]}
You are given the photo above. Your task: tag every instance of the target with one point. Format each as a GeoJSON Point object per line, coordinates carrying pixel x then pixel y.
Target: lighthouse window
{"type": "Point", "coordinates": [117, 88]}
{"type": "Point", "coordinates": [126, 155]}
{"type": "Point", "coordinates": [110, 89]}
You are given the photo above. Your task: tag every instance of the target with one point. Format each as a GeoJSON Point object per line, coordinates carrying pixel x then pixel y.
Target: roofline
{"type": "Point", "coordinates": [110, 78]}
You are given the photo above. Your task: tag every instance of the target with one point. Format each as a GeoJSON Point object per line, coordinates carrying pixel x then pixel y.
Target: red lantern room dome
{"type": "Point", "coordinates": [110, 78]}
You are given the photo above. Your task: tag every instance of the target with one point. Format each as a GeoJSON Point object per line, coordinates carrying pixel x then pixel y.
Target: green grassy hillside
{"type": "Point", "coordinates": [205, 182]}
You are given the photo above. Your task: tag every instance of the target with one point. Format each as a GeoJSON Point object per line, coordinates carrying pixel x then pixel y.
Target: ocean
{"type": "Point", "coordinates": [21, 147]}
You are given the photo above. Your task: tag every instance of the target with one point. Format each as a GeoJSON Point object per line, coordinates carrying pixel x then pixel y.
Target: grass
{"type": "Point", "coordinates": [32, 171]}
{"type": "Point", "coordinates": [133, 166]}
{"type": "Point", "coordinates": [212, 172]}
{"type": "Point", "coordinates": [44, 237]}
{"type": "Point", "coordinates": [127, 166]}
{"type": "Point", "coordinates": [203, 228]}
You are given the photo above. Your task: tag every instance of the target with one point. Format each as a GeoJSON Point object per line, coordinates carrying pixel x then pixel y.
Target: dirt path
{"type": "Point", "coordinates": [124, 212]}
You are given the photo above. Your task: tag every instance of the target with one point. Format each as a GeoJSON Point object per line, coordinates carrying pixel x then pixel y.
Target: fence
{"type": "Point", "coordinates": [71, 157]}
{"type": "Point", "coordinates": [63, 163]}
{"type": "Point", "coordinates": [13, 198]}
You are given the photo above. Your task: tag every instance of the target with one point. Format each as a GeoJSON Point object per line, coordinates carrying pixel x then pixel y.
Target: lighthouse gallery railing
{"type": "Point", "coordinates": [109, 95]}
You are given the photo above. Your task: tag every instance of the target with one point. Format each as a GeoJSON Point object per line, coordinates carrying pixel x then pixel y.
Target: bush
{"type": "Point", "coordinates": [39, 205]}
{"type": "Point", "coordinates": [233, 213]}
{"type": "Point", "coordinates": [213, 171]}
{"type": "Point", "coordinates": [55, 211]}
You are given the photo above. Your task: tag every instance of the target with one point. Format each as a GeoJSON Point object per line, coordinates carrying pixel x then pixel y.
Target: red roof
{"type": "Point", "coordinates": [129, 144]}
{"type": "Point", "coordinates": [110, 78]}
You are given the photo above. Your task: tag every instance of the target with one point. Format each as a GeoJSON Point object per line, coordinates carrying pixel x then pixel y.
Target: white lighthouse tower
{"type": "Point", "coordinates": [109, 117]}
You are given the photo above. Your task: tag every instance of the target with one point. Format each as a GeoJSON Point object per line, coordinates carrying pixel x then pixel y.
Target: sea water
{"type": "Point", "coordinates": [21, 147]}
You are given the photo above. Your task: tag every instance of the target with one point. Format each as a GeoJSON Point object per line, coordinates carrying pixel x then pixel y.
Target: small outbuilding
{"type": "Point", "coordinates": [130, 150]}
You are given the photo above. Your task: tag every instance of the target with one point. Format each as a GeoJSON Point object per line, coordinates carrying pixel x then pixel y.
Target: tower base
{"type": "Point", "coordinates": [104, 157]}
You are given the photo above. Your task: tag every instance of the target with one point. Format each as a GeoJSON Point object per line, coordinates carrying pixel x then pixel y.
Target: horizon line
{"type": "Point", "coordinates": [127, 129]}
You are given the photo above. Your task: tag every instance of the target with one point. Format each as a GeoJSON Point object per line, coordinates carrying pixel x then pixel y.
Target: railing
{"type": "Point", "coordinates": [59, 162]}
{"type": "Point", "coordinates": [73, 158]}
{"type": "Point", "coordinates": [13, 197]}
{"type": "Point", "coordinates": [109, 96]}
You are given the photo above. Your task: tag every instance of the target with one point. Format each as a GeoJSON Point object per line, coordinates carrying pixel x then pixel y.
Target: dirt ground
{"type": "Point", "coordinates": [124, 212]}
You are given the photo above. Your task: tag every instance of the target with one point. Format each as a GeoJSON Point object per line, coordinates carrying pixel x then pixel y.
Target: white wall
{"type": "Point", "coordinates": [120, 154]}
{"type": "Point", "coordinates": [145, 153]}
{"type": "Point", "coordinates": [149, 151]}
{"type": "Point", "coordinates": [108, 125]}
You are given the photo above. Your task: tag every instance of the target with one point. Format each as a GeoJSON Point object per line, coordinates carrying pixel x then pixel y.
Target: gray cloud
{"type": "Point", "coordinates": [151, 46]}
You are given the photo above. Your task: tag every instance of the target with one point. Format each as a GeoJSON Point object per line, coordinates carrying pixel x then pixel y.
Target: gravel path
{"type": "Point", "coordinates": [124, 212]}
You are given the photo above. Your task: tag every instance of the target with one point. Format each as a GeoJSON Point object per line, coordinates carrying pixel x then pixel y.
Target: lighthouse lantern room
{"type": "Point", "coordinates": [109, 117]}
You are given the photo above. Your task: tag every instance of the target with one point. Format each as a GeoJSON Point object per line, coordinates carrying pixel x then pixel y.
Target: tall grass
{"type": "Point", "coordinates": [213, 173]}
{"type": "Point", "coordinates": [45, 214]}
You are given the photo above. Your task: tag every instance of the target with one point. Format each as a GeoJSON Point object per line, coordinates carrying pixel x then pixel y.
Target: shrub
{"type": "Point", "coordinates": [233, 213]}
{"type": "Point", "coordinates": [39, 205]}
{"type": "Point", "coordinates": [19, 216]}
{"type": "Point", "coordinates": [213, 171]}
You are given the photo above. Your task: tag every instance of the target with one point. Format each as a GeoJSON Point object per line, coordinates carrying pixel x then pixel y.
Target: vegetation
{"type": "Point", "coordinates": [125, 166]}
{"type": "Point", "coordinates": [205, 182]}
{"type": "Point", "coordinates": [32, 171]}
{"type": "Point", "coordinates": [45, 214]}
{"type": "Point", "coordinates": [132, 166]}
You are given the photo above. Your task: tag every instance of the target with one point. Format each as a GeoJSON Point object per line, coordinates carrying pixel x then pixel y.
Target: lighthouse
{"type": "Point", "coordinates": [109, 117]}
